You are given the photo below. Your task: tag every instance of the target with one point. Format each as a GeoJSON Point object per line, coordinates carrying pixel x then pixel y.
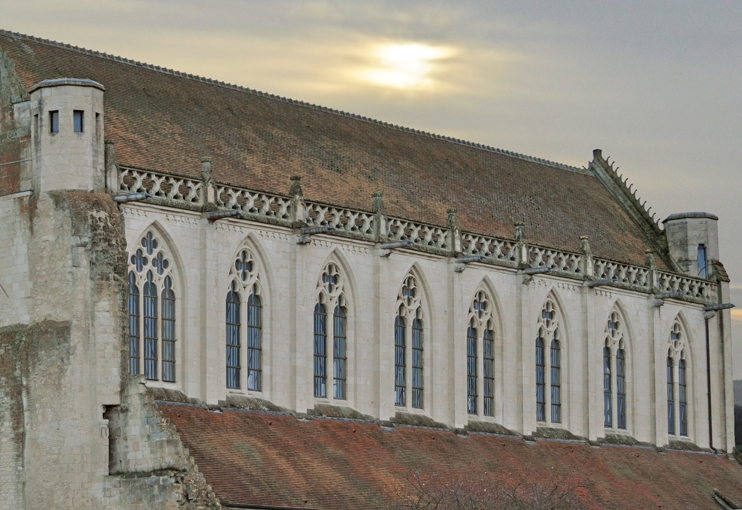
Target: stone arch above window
{"type": "Point", "coordinates": [549, 365]}
{"type": "Point", "coordinates": [614, 372]}
{"type": "Point", "coordinates": [244, 322]}
{"type": "Point", "coordinates": [152, 309]}
{"type": "Point", "coordinates": [409, 330]}
{"type": "Point", "coordinates": [480, 356]}
{"type": "Point", "coordinates": [331, 304]}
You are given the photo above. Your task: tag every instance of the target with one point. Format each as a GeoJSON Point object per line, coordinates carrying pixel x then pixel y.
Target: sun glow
{"type": "Point", "coordinates": [406, 66]}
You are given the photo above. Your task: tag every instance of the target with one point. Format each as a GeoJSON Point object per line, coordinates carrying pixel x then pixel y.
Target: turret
{"type": "Point", "coordinates": [67, 135]}
{"type": "Point", "coordinates": [693, 240]}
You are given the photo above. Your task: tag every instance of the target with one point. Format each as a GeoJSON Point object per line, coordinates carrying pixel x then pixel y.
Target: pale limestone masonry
{"type": "Point", "coordinates": [76, 431]}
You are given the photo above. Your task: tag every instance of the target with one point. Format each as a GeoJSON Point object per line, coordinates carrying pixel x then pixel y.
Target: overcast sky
{"type": "Point", "coordinates": [656, 85]}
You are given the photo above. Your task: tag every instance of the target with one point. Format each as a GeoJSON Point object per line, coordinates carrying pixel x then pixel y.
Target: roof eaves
{"type": "Point", "coordinates": [304, 104]}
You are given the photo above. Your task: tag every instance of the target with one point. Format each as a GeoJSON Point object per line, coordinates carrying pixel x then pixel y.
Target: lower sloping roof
{"type": "Point", "coordinates": [273, 459]}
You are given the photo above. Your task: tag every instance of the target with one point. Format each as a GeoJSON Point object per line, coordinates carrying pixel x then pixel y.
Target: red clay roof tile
{"type": "Point", "coordinates": [274, 459]}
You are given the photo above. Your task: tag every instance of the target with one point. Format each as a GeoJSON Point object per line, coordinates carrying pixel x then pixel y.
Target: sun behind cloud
{"type": "Point", "coordinates": [408, 66]}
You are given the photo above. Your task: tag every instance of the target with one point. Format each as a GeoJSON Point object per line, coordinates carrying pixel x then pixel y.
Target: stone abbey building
{"type": "Point", "coordinates": [212, 296]}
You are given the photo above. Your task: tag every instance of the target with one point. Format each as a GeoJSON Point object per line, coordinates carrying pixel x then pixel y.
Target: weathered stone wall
{"type": "Point", "coordinates": [202, 255]}
{"type": "Point", "coordinates": [149, 466]}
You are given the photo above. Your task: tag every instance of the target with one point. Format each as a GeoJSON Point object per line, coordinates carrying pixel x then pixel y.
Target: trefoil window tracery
{"type": "Point", "coordinates": [244, 306]}
{"type": "Point", "coordinates": [408, 363]}
{"type": "Point", "coordinates": [480, 358]}
{"type": "Point", "coordinates": [614, 373]}
{"type": "Point", "coordinates": [331, 298]}
{"type": "Point", "coordinates": [549, 335]}
{"type": "Point", "coordinates": [151, 311]}
{"type": "Point", "coordinates": [677, 381]}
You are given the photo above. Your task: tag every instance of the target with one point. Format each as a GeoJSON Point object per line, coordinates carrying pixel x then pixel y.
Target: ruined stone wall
{"type": "Point", "coordinates": [149, 466]}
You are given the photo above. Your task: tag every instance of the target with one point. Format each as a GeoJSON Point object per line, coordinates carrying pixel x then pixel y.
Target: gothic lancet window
{"type": "Point", "coordinates": [244, 324]}
{"type": "Point", "coordinates": [152, 311]}
{"type": "Point", "coordinates": [614, 373]}
{"type": "Point", "coordinates": [331, 347]}
{"type": "Point", "coordinates": [480, 357]}
{"type": "Point", "coordinates": [409, 363]}
{"type": "Point", "coordinates": [549, 334]}
{"type": "Point", "coordinates": [677, 382]}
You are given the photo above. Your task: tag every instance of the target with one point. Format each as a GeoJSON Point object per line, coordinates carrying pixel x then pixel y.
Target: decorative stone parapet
{"type": "Point", "coordinates": [375, 225]}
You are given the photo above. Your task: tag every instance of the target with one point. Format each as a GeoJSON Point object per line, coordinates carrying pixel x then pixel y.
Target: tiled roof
{"type": "Point", "coordinates": [272, 459]}
{"type": "Point", "coordinates": [165, 120]}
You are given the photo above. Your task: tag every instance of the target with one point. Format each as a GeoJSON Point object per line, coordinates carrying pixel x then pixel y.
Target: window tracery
{"type": "Point", "coordinates": [677, 382]}
{"type": "Point", "coordinates": [614, 373]}
{"type": "Point", "coordinates": [244, 306]}
{"type": "Point", "coordinates": [151, 311]}
{"type": "Point", "coordinates": [549, 334]}
{"type": "Point", "coordinates": [409, 325]}
{"type": "Point", "coordinates": [480, 346]}
{"type": "Point", "coordinates": [331, 296]}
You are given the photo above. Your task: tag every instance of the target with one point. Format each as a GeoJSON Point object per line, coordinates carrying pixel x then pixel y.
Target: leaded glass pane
{"type": "Point", "coordinates": [233, 339]}
{"type": "Point", "coordinates": [320, 356]}
{"type": "Point", "coordinates": [556, 390]}
{"type": "Point", "coordinates": [471, 368]}
{"type": "Point", "coordinates": [150, 328]}
{"type": "Point", "coordinates": [682, 399]}
{"type": "Point", "coordinates": [254, 342]}
{"type": "Point", "coordinates": [670, 397]}
{"type": "Point", "coordinates": [417, 363]}
{"type": "Point", "coordinates": [621, 388]}
{"type": "Point", "coordinates": [540, 381]}
{"type": "Point", "coordinates": [133, 305]}
{"type": "Point", "coordinates": [399, 361]}
{"type": "Point", "coordinates": [607, 393]}
{"type": "Point", "coordinates": [168, 331]}
{"type": "Point", "coordinates": [488, 366]}
{"type": "Point", "coordinates": [339, 355]}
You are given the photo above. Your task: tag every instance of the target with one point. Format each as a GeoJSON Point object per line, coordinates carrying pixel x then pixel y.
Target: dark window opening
{"type": "Point", "coordinates": [77, 117]}
{"type": "Point", "coordinates": [233, 339]}
{"type": "Point", "coordinates": [670, 397]}
{"type": "Point", "coordinates": [471, 368]}
{"type": "Point", "coordinates": [320, 356]}
{"type": "Point", "coordinates": [168, 331]}
{"type": "Point", "coordinates": [556, 390]}
{"type": "Point", "coordinates": [339, 360]}
{"type": "Point", "coordinates": [488, 367]}
{"type": "Point", "coordinates": [399, 361]}
{"type": "Point", "coordinates": [702, 271]}
{"type": "Point", "coordinates": [54, 122]}
{"type": "Point", "coordinates": [621, 388]}
{"type": "Point", "coordinates": [254, 346]}
{"type": "Point", "coordinates": [540, 383]}
{"type": "Point", "coordinates": [607, 393]}
{"type": "Point", "coordinates": [133, 325]}
{"type": "Point", "coordinates": [682, 399]}
{"type": "Point", "coordinates": [150, 328]}
{"type": "Point", "coordinates": [417, 363]}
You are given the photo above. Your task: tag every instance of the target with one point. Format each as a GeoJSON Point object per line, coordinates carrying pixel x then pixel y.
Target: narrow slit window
{"type": "Point", "coordinates": [621, 388]}
{"type": "Point", "coordinates": [399, 361]}
{"type": "Point", "coordinates": [233, 338]}
{"type": "Point", "coordinates": [320, 351]}
{"type": "Point", "coordinates": [471, 368]}
{"type": "Point", "coordinates": [417, 362]}
{"type": "Point", "coordinates": [168, 331]}
{"type": "Point", "coordinates": [682, 398]}
{"type": "Point", "coordinates": [77, 120]}
{"type": "Point", "coordinates": [150, 328]}
{"type": "Point", "coordinates": [488, 367]}
{"type": "Point", "coordinates": [702, 270]}
{"type": "Point", "coordinates": [254, 338]}
{"type": "Point", "coordinates": [133, 303]}
{"type": "Point", "coordinates": [540, 383]}
{"type": "Point", "coordinates": [339, 355]}
{"type": "Point", "coordinates": [670, 397]}
{"type": "Point", "coordinates": [556, 389]}
{"type": "Point", "coordinates": [607, 393]}
{"type": "Point", "coordinates": [54, 121]}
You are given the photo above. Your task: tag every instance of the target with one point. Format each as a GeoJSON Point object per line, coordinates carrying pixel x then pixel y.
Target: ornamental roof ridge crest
{"type": "Point", "coordinates": [298, 102]}
{"type": "Point", "coordinates": [626, 187]}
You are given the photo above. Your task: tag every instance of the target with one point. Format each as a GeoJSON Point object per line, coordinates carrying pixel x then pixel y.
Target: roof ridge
{"type": "Point", "coordinates": [626, 188]}
{"type": "Point", "coordinates": [297, 102]}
